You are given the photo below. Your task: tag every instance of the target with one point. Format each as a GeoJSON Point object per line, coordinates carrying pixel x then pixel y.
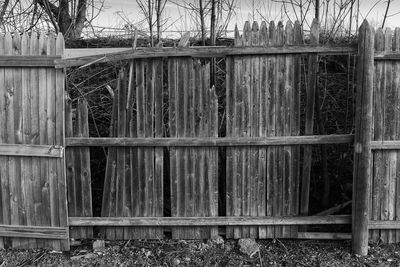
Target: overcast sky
{"type": "Point", "coordinates": [116, 9]}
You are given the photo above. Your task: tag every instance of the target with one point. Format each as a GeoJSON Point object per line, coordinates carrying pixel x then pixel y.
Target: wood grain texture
{"type": "Point", "coordinates": [31, 140]}
{"type": "Point", "coordinates": [78, 171]}
{"type": "Point", "coordinates": [200, 52]}
{"type": "Point", "coordinates": [362, 151]}
{"type": "Point", "coordinates": [261, 103]}
{"type": "Point", "coordinates": [193, 171]}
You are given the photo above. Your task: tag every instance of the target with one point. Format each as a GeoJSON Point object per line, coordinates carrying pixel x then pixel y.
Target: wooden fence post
{"type": "Point", "coordinates": [362, 140]}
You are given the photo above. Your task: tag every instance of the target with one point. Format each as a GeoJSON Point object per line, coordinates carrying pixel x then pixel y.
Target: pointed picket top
{"type": "Point", "coordinates": [8, 44]}
{"type": "Point", "coordinates": [255, 34]}
{"type": "Point", "coordinates": [289, 33]}
{"type": "Point", "coordinates": [388, 39]}
{"type": "Point", "coordinates": [34, 44]}
{"type": "Point", "coordinates": [263, 34]}
{"type": "Point", "coordinates": [314, 32]}
{"type": "Point", "coordinates": [272, 33]}
{"type": "Point", "coordinates": [247, 33]}
{"type": "Point", "coordinates": [1, 44]}
{"type": "Point", "coordinates": [16, 44]}
{"type": "Point", "coordinates": [60, 45]}
{"type": "Point", "coordinates": [237, 36]}
{"type": "Point", "coordinates": [379, 38]}
{"type": "Point", "coordinates": [396, 39]}
{"type": "Point", "coordinates": [280, 36]}
{"type": "Point", "coordinates": [298, 34]}
{"type": "Point", "coordinates": [25, 44]}
{"type": "Point", "coordinates": [42, 44]}
{"type": "Point", "coordinates": [51, 44]}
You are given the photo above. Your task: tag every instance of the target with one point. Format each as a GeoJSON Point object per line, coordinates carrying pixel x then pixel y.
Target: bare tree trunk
{"type": "Point", "coordinates": [203, 33]}
{"type": "Point", "coordinates": [150, 21]}
{"type": "Point", "coordinates": [317, 9]}
{"type": "Point", "coordinates": [213, 21]}
{"type": "Point", "coordinates": [158, 14]}
{"type": "Point", "coordinates": [386, 12]}
{"type": "Point", "coordinates": [70, 26]}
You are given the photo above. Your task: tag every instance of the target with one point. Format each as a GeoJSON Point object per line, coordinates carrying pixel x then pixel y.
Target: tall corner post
{"type": "Point", "coordinates": [362, 140]}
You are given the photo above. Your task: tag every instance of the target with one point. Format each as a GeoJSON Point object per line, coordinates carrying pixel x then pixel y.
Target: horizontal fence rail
{"type": "Point", "coordinates": [31, 150]}
{"type": "Point", "coordinates": [199, 52]}
{"type": "Point", "coordinates": [209, 221]}
{"type": "Point", "coordinates": [28, 61]}
{"type": "Point", "coordinates": [34, 231]}
{"type": "Point", "coordinates": [210, 142]}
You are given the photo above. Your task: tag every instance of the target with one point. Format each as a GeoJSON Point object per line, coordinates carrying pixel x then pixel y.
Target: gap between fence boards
{"type": "Point", "coordinates": [201, 142]}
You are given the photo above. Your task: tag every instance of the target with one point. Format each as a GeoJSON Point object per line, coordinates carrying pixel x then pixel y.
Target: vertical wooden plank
{"type": "Point", "coordinates": [237, 161]}
{"type": "Point", "coordinates": [152, 180]}
{"type": "Point", "coordinates": [309, 123]}
{"type": "Point", "coordinates": [158, 91]}
{"type": "Point", "coordinates": [362, 151]}
{"type": "Point", "coordinates": [172, 85]}
{"type": "Point", "coordinates": [396, 85]}
{"type": "Point", "coordinates": [52, 140]}
{"type": "Point", "coordinates": [4, 206]}
{"type": "Point", "coordinates": [26, 162]}
{"type": "Point", "coordinates": [254, 110]}
{"type": "Point", "coordinates": [378, 135]}
{"type": "Point", "coordinates": [387, 206]}
{"type": "Point", "coordinates": [120, 175]}
{"type": "Point", "coordinates": [70, 167]}
{"type": "Point", "coordinates": [271, 151]}
{"type": "Point", "coordinates": [232, 70]}
{"type": "Point", "coordinates": [287, 118]}
{"type": "Point", "coordinates": [213, 169]}
{"type": "Point", "coordinates": [132, 132]}
{"type": "Point", "coordinates": [140, 98]}
{"type": "Point", "coordinates": [84, 174]}
{"type": "Point", "coordinates": [35, 133]}
{"type": "Point", "coordinates": [17, 214]}
{"type": "Point", "coordinates": [245, 126]}
{"type": "Point", "coordinates": [109, 191]}
{"type": "Point", "coordinates": [60, 140]}
{"type": "Point", "coordinates": [295, 126]}
{"type": "Point", "coordinates": [279, 127]}
{"type": "Point", "coordinates": [43, 207]}
{"type": "Point", "coordinates": [181, 153]}
{"type": "Point", "coordinates": [264, 102]}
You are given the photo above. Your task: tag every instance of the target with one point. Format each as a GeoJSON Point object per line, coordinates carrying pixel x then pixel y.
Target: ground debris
{"type": "Point", "coordinates": [208, 253]}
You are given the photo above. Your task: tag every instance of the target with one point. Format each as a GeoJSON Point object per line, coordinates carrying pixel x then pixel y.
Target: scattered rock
{"type": "Point", "coordinates": [176, 262]}
{"type": "Point", "coordinates": [218, 240]}
{"type": "Point", "coordinates": [99, 246]}
{"type": "Point", "coordinates": [248, 246]}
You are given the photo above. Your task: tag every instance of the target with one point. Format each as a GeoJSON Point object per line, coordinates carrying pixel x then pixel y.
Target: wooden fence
{"type": "Point", "coordinates": [33, 207]}
{"type": "Point", "coordinates": [163, 166]}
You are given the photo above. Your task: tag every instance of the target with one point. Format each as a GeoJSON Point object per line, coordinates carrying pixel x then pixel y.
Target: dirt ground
{"type": "Point", "coordinates": [207, 253]}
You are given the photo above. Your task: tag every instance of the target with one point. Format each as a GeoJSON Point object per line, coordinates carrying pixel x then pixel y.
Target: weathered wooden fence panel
{"type": "Point", "coordinates": [78, 173]}
{"type": "Point", "coordinates": [263, 94]}
{"type": "Point", "coordinates": [133, 184]}
{"type": "Point", "coordinates": [33, 190]}
{"type": "Point", "coordinates": [193, 112]}
{"type": "Point", "coordinates": [385, 184]}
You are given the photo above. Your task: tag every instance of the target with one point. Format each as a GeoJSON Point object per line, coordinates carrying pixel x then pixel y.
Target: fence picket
{"type": "Point", "coordinates": [4, 207]}
{"type": "Point", "coordinates": [396, 84]}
